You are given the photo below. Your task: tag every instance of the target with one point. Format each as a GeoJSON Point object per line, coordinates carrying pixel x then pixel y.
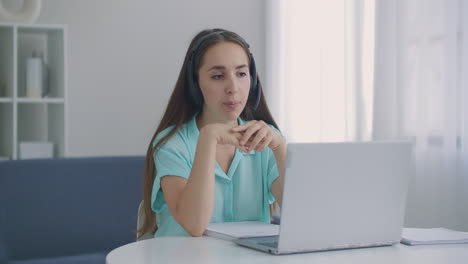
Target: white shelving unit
{"type": "Point", "coordinates": [24, 119]}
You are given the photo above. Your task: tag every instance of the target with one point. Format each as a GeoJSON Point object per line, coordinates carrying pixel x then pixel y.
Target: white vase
{"type": "Point", "coordinates": [36, 76]}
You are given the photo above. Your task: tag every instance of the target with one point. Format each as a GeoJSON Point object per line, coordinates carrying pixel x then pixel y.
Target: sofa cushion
{"type": "Point", "coordinates": [71, 206]}
{"type": "Point", "coordinates": [3, 251]}
{"type": "Point", "coordinates": [3, 256]}
{"type": "Point", "coordinates": [95, 258]}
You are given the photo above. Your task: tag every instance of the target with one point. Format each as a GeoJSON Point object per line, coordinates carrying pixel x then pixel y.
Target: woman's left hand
{"type": "Point", "coordinates": [257, 135]}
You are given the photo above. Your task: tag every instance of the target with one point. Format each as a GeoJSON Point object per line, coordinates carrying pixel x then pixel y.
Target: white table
{"type": "Point", "coordinates": [208, 250]}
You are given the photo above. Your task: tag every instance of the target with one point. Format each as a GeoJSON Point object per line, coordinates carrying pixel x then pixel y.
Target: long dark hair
{"type": "Point", "coordinates": [181, 108]}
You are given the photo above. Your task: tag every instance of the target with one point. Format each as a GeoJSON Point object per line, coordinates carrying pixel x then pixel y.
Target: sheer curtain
{"type": "Point", "coordinates": [320, 68]}
{"type": "Point", "coordinates": [340, 70]}
{"type": "Point", "coordinates": [419, 95]}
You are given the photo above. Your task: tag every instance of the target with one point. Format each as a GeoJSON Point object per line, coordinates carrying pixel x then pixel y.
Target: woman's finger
{"type": "Point", "coordinates": [250, 132]}
{"type": "Point", "coordinates": [247, 133]}
{"type": "Point", "coordinates": [260, 135]}
{"type": "Point", "coordinates": [244, 126]}
{"type": "Point", "coordinates": [263, 144]}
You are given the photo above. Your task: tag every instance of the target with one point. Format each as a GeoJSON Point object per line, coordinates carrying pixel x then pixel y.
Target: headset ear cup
{"type": "Point", "coordinates": [192, 84]}
{"type": "Point", "coordinates": [255, 90]}
{"type": "Point", "coordinates": [253, 74]}
{"type": "Point", "coordinates": [258, 96]}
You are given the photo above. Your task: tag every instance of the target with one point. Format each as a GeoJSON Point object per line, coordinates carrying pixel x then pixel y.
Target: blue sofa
{"type": "Point", "coordinates": [68, 210]}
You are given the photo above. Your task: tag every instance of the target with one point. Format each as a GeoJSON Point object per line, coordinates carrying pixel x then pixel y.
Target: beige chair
{"type": "Point", "coordinates": [140, 220]}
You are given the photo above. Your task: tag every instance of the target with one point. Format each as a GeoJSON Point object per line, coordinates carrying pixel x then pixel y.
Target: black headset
{"type": "Point", "coordinates": [195, 95]}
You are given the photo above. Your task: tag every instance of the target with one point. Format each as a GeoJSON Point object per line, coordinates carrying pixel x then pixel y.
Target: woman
{"type": "Point", "coordinates": [216, 155]}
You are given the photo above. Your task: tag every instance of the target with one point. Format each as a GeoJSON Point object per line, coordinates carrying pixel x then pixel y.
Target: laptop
{"type": "Point", "coordinates": [340, 196]}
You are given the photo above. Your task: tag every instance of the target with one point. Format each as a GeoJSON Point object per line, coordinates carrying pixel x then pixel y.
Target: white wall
{"type": "Point", "coordinates": [124, 58]}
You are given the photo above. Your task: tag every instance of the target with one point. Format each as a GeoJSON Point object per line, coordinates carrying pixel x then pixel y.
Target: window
{"type": "Point", "coordinates": [322, 68]}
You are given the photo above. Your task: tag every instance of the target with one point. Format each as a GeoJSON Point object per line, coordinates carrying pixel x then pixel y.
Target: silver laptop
{"type": "Point", "coordinates": [341, 195]}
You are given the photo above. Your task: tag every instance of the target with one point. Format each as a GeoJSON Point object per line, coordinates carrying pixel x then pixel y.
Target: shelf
{"type": "Point", "coordinates": [48, 42]}
{"type": "Point", "coordinates": [31, 119]}
{"type": "Point", "coordinates": [6, 100]}
{"type": "Point", "coordinates": [6, 133]}
{"type": "Point", "coordinates": [31, 26]}
{"type": "Point", "coordinates": [41, 100]}
{"type": "Point", "coordinates": [6, 61]}
{"type": "Point", "coordinates": [42, 122]}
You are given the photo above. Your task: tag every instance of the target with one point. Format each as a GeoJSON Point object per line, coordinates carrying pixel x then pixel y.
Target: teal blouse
{"type": "Point", "coordinates": [243, 194]}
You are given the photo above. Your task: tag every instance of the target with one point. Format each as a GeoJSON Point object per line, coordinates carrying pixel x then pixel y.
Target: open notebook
{"type": "Point", "coordinates": [236, 230]}
{"type": "Point", "coordinates": [432, 236]}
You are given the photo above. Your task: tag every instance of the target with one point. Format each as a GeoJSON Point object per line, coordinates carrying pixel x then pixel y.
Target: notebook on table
{"type": "Point", "coordinates": [433, 236]}
{"type": "Point", "coordinates": [340, 195]}
{"type": "Point", "coordinates": [245, 229]}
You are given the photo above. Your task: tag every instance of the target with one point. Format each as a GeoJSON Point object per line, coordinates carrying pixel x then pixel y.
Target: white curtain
{"type": "Point", "coordinates": [340, 70]}
{"type": "Point", "coordinates": [419, 95]}
{"type": "Point", "coordinates": [320, 68]}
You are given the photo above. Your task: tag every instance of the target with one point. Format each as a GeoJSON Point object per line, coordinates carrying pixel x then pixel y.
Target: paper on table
{"type": "Point", "coordinates": [431, 236]}
{"type": "Point", "coordinates": [236, 230]}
